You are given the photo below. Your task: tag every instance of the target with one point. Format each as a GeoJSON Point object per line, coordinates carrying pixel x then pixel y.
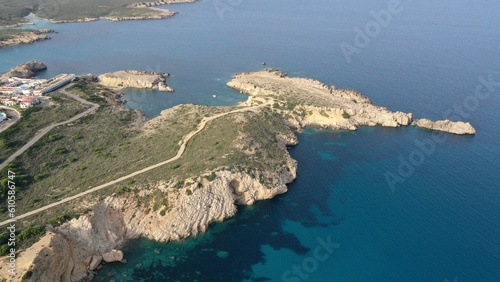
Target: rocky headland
{"type": "Point", "coordinates": [26, 70]}
{"type": "Point", "coordinates": [306, 102]}
{"type": "Point", "coordinates": [135, 79]}
{"type": "Point", "coordinates": [26, 37]}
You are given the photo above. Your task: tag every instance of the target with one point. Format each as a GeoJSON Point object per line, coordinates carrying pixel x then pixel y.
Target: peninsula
{"type": "Point", "coordinates": [11, 37]}
{"type": "Point", "coordinates": [170, 177]}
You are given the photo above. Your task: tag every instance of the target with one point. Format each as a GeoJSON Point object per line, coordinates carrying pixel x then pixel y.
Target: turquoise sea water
{"type": "Point", "coordinates": [442, 223]}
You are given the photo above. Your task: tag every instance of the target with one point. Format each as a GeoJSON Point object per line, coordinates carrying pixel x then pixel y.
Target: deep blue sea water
{"type": "Point", "coordinates": [442, 223]}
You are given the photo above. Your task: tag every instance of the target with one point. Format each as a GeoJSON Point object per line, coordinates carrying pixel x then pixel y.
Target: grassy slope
{"type": "Point", "coordinates": [34, 119]}
{"type": "Point", "coordinates": [110, 144]}
{"type": "Point", "coordinates": [10, 33]}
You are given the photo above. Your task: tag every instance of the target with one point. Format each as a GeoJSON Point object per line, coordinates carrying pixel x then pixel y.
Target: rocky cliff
{"type": "Point", "coordinates": [76, 248]}
{"type": "Point", "coordinates": [26, 70]}
{"type": "Point", "coordinates": [135, 79]}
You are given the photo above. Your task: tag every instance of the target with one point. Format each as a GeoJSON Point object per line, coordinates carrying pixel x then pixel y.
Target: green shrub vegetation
{"type": "Point", "coordinates": [35, 118]}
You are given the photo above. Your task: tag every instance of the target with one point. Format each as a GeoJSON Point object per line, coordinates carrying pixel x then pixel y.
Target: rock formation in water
{"type": "Point", "coordinates": [135, 79]}
{"type": "Point", "coordinates": [26, 70]}
{"type": "Point", "coordinates": [455, 127]}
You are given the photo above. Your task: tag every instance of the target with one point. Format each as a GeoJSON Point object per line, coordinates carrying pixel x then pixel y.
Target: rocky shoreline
{"type": "Point", "coordinates": [135, 79]}
{"type": "Point", "coordinates": [26, 70]}
{"type": "Point", "coordinates": [158, 3]}
{"type": "Point", "coordinates": [74, 250]}
{"type": "Point", "coordinates": [161, 14]}
{"type": "Point", "coordinates": [27, 37]}
{"type": "Point", "coordinates": [310, 102]}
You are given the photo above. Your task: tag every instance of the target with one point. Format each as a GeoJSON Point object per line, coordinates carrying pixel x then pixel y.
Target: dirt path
{"type": "Point", "coordinates": [181, 150]}
{"type": "Point", "coordinates": [45, 130]}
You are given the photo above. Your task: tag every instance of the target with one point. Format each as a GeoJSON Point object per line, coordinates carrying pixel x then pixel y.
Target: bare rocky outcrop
{"type": "Point", "coordinates": [310, 102]}
{"type": "Point", "coordinates": [26, 37]}
{"type": "Point", "coordinates": [112, 256]}
{"type": "Point", "coordinates": [135, 79]}
{"type": "Point", "coordinates": [455, 127]}
{"type": "Point", "coordinates": [26, 70]}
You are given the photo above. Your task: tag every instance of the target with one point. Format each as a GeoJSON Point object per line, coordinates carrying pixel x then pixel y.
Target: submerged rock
{"type": "Point", "coordinates": [223, 254]}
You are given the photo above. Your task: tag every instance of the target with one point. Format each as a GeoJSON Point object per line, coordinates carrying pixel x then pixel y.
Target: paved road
{"type": "Point", "coordinates": [45, 130]}
{"type": "Point", "coordinates": [181, 150]}
{"type": "Point", "coordinates": [8, 123]}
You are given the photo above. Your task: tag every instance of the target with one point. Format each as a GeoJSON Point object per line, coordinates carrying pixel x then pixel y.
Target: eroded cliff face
{"type": "Point", "coordinates": [76, 246]}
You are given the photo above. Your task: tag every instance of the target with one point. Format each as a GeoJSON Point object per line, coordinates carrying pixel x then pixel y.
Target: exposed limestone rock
{"type": "Point", "coordinates": [26, 70]}
{"type": "Point", "coordinates": [455, 127]}
{"type": "Point", "coordinates": [117, 219]}
{"type": "Point", "coordinates": [135, 79]}
{"type": "Point", "coordinates": [95, 262]}
{"type": "Point", "coordinates": [310, 102]}
{"type": "Point", "coordinates": [27, 37]}
{"type": "Point", "coordinates": [112, 256]}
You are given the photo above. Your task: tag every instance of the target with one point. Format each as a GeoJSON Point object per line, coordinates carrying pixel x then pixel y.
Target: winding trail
{"type": "Point", "coordinates": [42, 132]}
{"type": "Point", "coordinates": [180, 152]}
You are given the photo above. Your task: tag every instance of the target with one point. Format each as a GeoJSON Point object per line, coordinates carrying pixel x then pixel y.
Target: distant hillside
{"type": "Point", "coordinates": [13, 11]}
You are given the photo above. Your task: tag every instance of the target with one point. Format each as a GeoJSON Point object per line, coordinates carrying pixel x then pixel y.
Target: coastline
{"type": "Point", "coordinates": [140, 7]}
{"type": "Point", "coordinates": [26, 37]}
{"type": "Point", "coordinates": [209, 196]}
